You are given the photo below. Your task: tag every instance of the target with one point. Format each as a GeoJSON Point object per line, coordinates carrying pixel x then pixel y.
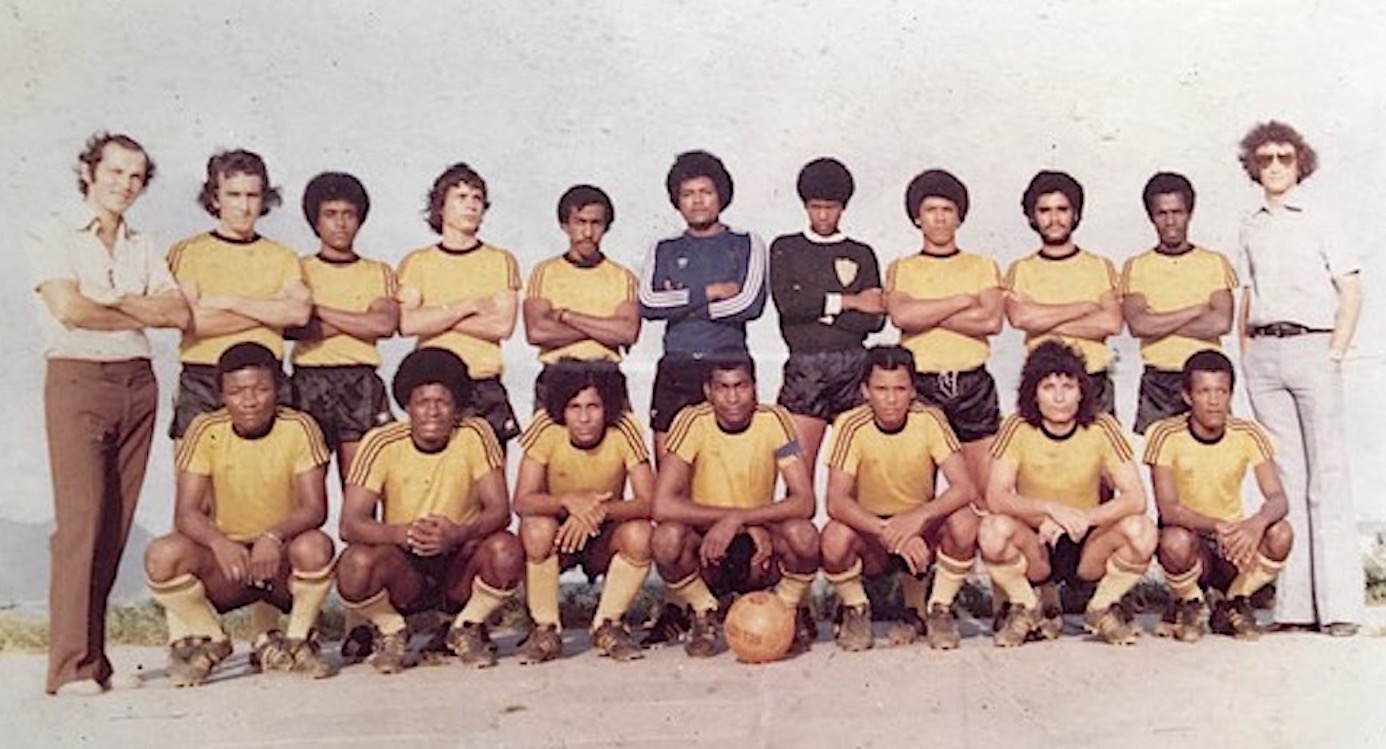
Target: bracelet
{"type": "Point", "coordinates": [275, 537]}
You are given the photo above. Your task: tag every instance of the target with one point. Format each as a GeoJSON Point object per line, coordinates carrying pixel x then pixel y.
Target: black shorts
{"type": "Point", "coordinates": [1161, 396]}
{"type": "Point", "coordinates": [678, 384]}
{"type": "Point", "coordinates": [436, 571]}
{"type": "Point", "coordinates": [600, 368]}
{"type": "Point", "coordinates": [1064, 557]}
{"type": "Point", "coordinates": [199, 392]}
{"type": "Point", "coordinates": [1104, 393]}
{"type": "Point", "coordinates": [491, 402]}
{"type": "Point", "coordinates": [967, 398]}
{"type": "Point", "coordinates": [346, 401]}
{"type": "Point", "coordinates": [733, 575]}
{"type": "Point", "coordinates": [823, 384]}
{"type": "Point", "coordinates": [1218, 571]}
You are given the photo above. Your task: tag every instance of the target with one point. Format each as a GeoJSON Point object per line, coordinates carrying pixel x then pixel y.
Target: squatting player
{"type": "Point", "coordinates": [1197, 464]}
{"type": "Point", "coordinates": [1049, 520]}
{"type": "Point", "coordinates": [882, 480]}
{"type": "Point", "coordinates": [440, 541]}
{"type": "Point", "coordinates": [827, 289]}
{"type": "Point", "coordinates": [579, 456]}
{"type": "Point", "coordinates": [250, 501]}
{"type": "Point", "coordinates": [720, 528]}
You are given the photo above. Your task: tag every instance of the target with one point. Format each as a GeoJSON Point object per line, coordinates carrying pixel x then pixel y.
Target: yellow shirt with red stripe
{"type": "Point", "coordinates": [1171, 282]}
{"type": "Point", "coordinates": [735, 470]}
{"type": "Point", "coordinates": [414, 484]}
{"type": "Point", "coordinates": [350, 286]}
{"type": "Point", "coordinates": [595, 290]}
{"type": "Point", "coordinates": [931, 277]}
{"type": "Point", "coordinates": [1067, 469]}
{"type": "Point", "coordinates": [1080, 277]}
{"type": "Point", "coordinates": [894, 471]}
{"type": "Point", "coordinates": [444, 277]}
{"type": "Point", "coordinates": [1208, 475]}
{"type": "Point", "coordinates": [257, 269]}
{"type": "Point", "coordinates": [252, 479]}
{"type": "Point", "coordinates": [601, 468]}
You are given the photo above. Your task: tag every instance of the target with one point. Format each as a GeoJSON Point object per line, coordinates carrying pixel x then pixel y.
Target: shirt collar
{"type": "Point", "coordinates": [815, 238]}
{"type": "Point", "coordinates": [1295, 201]}
{"type": "Point", "coordinates": [83, 219]}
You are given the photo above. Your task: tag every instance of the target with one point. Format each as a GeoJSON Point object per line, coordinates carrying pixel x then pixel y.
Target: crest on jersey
{"type": "Point", "coordinates": [846, 270]}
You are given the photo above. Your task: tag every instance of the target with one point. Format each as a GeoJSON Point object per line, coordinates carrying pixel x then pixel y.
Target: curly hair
{"type": "Point", "coordinates": [578, 197]}
{"type": "Point", "coordinates": [1054, 358]}
{"type": "Point", "coordinates": [330, 186]}
{"type": "Point", "coordinates": [230, 163]}
{"type": "Point", "coordinates": [825, 179]}
{"type": "Point", "coordinates": [1275, 131]}
{"type": "Point", "coordinates": [567, 377]}
{"type": "Point", "coordinates": [888, 358]}
{"type": "Point", "coordinates": [1046, 182]}
{"type": "Point", "coordinates": [432, 366]}
{"type": "Point", "coordinates": [95, 148]}
{"type": "Point", "coordinates": [935, 183]}
{"type": "Point", "coordinates": [1208, 360]}
{"type": "Point", "coordinates": [1167, 183]}
{"type": "Point", "coordinates": [694, 164]}
{"type": "Point", "coordinates": [457, 174]}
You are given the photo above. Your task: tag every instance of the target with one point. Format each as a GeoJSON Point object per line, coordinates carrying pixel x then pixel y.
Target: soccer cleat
{"type": "Point", "coordinates": [1051, 613]}
{"type": "Point", "coordinates": [942, 628]}
{"type": "Point", "coordinates": [308, 658]}
{"type": "Point", "coordinates": [271, 653]}
{"type": "Point", "coordinates": [1193, 620]}
{"type": "Point", "coordinates": [1112, 625]}
{"type": "Point", "coordinates": [473, 645]}
{"type": "Point", "coordinates": [1235, 618]}
{"type": "Point", "coordinates": [390, 653]}
{"type": "Point", "coordinates": [671, 625]}
{"type": "Point", "coordinates": [1169, 624]}
{"type": "Point", "coordinates": [543, 643]}
{"type": "Point", "coordinates": [702, 637]}
{"type": "Point", "coordinates": [854, 631]}
{"type": "Point", "coordinates": [357, 644]}
{"type": "Point", "coordinates": [907, 630]}
{"type": "Point", "coordinates": [191, 659]}
{"type": "Point", "coordinates": [614, 641]}
{"type": "Point", "coordinates": [805, 631]}
{"type": "Point", "coordinates": [1019, 623]}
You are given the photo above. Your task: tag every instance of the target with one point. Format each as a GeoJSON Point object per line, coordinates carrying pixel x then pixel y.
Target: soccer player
{"type": "Point", "coordinates": [827, 288]}
{"type": "Point", "coordinates": [579, 457]}
{"type": "Point", "coordinates": [1301, 300]}
{"type": "Point", "coordinates": [581, 307]}
{"type": "Point", "coordinates": [720, 529]}
{"type": "Point", "coordinates": [101, 284]}
{"type": "Point", "coordinates": [1049, 521]}
{"type": "Point", "coordinates": [947, 303]}
{"type": "Point", "coordinates": [705, 283]}
{"type": "Point", "coordinates": [462, 294]}
{"type": "Point", "coordinates": [440, 541]}
{"type": "Point", "coordinates": [240, 286]}
{"type": "Point", "coordinates": [335, 356]}
{"type": "Point", "coordinates": [250, 502]}
{"type": "Point", "coordinates": [1062, 291]}
{"type": "Point", "coordinates": [1176, 298]}
{"type": "Point", "coordinates": [882, 497]}
{"type": "Point", "coordinates": [1197, 463]}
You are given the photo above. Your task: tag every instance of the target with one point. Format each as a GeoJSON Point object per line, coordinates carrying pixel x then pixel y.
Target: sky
{"type": "Point", "coordinates": [540, 96]}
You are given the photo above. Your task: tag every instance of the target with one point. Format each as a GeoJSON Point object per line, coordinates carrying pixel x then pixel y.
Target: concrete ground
{"type": "Point", "coordinates": [1287, 690]}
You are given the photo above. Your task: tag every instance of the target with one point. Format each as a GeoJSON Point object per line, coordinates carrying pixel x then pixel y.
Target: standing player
{"type": "Point", "coordinates": [882, 478]}
{"type": "Point", "coordinates": [1301, 299]}
{"type": "Point", "coordinates": [1064, 292]}
{"type": "Point", "coordinates": [462, 294]}
{"type": "Point", "coordinates": [1049, 520]}
{"type": "Point", "coordinates": [241, 286]}
{"type": "Point", "coordinates": [250, 502]}
{"type": "Point", "coordinates": [101, 285]}
{"type": "Point", "coordinates": [571, 498]}
{"type": "Point", "coordinates": [947, 303]}
{"type": "Point", "coordinates": [1197, 464]}
{"type": "Point", "coordinates": [440, 540]}
{"type": "Point", "coordinates": [705, 283]}
{"type": "Point", "coordinates": [827, 289]}
{"type": "Point", "coordinates": [1176, 298]}
{"type": "Point", "coordinates": [335, 356]}
{"type": "Point", "coordinates": [720, 528]}
{"type": "Point", "coordinates": [580, 307]}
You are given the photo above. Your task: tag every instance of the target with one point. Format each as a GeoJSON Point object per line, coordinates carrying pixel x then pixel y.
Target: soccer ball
{"type": "Point", "coordinates": [759, 627]}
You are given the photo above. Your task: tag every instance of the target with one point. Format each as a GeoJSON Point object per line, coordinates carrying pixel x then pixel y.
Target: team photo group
{"type": "Point", "coordinates": [707, 481]}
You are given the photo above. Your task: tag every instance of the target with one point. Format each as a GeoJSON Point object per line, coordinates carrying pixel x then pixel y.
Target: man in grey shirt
{"type": "Point", "coordinates": [1301, 298]}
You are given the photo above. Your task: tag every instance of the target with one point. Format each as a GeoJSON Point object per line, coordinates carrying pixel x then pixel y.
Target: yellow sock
{"type": "Point", "coordinates": [624, 579]}
{"type": "Point", "coordinates": [189, 612]}
{"type": "Point", "coordinates": [1185, 585]}
{"type": "Point", "coordinates": [692, 591]}
{"type": "Point", "coordinates": [1010, 577]}
{"type": "Point", "coordinates": [1262, 572]}
{"type": "Point", "coordinates": [912, 592]}
{"type": "Point", "coordinates": [541, 590]}
{"type": "Point", "coordinates": [949, 576]}
{"type": "Point", "coordinates": [482, 603]}
{"type": "Point", "coordinates": [378, 611]}
{"type": "Point", "coordinates": [309, 590]}
{"type": "Point", "coordinates": [264, 617]}
{"type": "Point", "coordinates": [793, 586]}
{"type": "Point", "coordinates": [1121, 576]}
{"type": "Point", "coordinates": [848, 584]}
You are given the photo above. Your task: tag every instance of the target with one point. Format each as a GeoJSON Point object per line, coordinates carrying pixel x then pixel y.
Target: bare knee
{"type": "Point", "coordinates": [504, 559]}
{"type": "Point", "coordinates": [311, 550]}
{"type": "Point", "coordinates": [838, 546]}
{"type": "Point", "coordinates": [1278, 540]}
{"type": "Point", "coordinates": [1140, 535]}
{"type": "Point", "coordinates": [667, 542]}
{"type": "Point", "coordinates": [631, 540]}
{"type": "Point", "coordinates": [994, 536]}
{"type": "Point", "coordinates": [168, 556]}
{"type": "Point", "coordinates": [1178, 549]}
{"type": "Point", "coordinates": [536, 535]}
{"type": "Point", "coordinates": [797, 542]}
{"type": "Point", "coordinates": [960, 533]}
{"type": "Point", "coordinates": [354, 571]}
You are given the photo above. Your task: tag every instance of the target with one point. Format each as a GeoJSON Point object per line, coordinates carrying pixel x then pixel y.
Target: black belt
{"type": "Point", "coordinates": [1284, 330]}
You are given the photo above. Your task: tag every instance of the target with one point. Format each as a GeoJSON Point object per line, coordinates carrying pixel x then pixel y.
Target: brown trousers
{"type": "Point", "coordinates": [100, 419]}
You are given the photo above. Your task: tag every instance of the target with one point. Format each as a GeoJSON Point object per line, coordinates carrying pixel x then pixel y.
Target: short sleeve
{"type": "Point", "coordinates": [310, 449]}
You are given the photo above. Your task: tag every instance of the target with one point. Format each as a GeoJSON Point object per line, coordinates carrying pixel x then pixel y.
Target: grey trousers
{"type": "Point", "coordinates": [1297, 394]}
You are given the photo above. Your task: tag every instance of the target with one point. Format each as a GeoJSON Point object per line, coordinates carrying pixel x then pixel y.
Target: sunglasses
{"type": "Point", "coordinates": [1264, 160]}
